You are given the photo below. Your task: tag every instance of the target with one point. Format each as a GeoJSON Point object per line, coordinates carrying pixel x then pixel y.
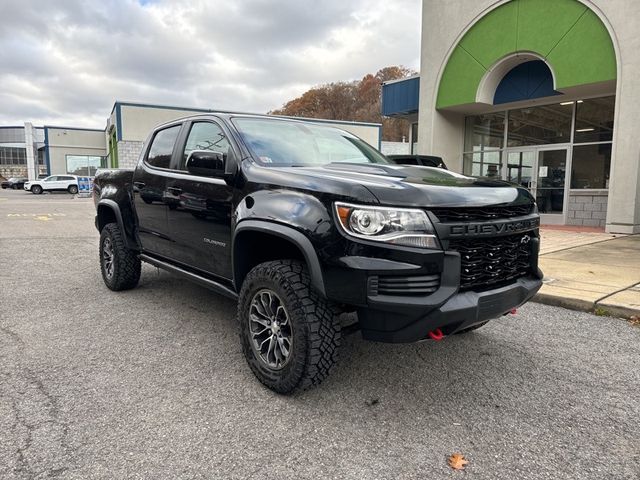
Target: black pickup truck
{"type": "Point", "coordinates": [301, 222]}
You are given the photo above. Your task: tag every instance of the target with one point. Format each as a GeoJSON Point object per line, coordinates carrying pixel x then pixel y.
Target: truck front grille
{"type": "Point", "coordinates": [493, 262]}
{"type": "Point", "coordinates": [469, 214]}
{"type": "Point", "coordinates": [413, 285]}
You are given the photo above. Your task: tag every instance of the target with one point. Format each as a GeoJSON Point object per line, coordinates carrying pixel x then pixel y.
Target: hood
{"type": "Point", "coordinates": [411, 185]}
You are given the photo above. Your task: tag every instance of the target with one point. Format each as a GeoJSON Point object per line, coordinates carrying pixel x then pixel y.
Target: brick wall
{"type": "Point", "coordinates": [395, 148]}
{"type": "Point", "coordinates": [128, 153]}
{"type": "Point", "coordinates": [587, 208]}
{"type": "Point", "coordinates": [8, 171]}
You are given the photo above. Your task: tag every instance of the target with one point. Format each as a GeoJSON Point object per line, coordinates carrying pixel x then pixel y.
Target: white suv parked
{"type": "Point", "coordinates": [54, 182]}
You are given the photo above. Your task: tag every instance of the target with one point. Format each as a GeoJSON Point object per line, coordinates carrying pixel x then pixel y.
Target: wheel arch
{"type": "Point", "coordinates": [250, 239]}
{"type": "Point", "coordinates": [108, 211]}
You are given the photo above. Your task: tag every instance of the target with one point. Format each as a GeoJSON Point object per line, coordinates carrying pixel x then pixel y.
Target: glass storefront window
{"type": "Point", "coordinates": [594, 120]}
{"type": "Point", "coordinates": [484, 132]}
{"type": "Point", "coordinates": [590, 166]}
{"type": "Point", "coordinates": [483, 164]}
{"type": "Point", "coordinates": [13, 156]}
{"type": "Point", "coordinates": [542, 125]}
{"type": "Point", "coordinates": [84, 165]}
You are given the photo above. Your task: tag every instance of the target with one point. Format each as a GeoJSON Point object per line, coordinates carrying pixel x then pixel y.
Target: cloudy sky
{"type": "Point", "coordinates": [65, 62]}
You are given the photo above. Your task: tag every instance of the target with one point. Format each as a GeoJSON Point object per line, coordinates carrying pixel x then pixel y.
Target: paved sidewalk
{"type": "Point", "coordinates": [591, 271]}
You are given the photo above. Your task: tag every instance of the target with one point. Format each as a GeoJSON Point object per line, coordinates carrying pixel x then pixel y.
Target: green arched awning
{"type": "Point", "coordinates": [568, 35]}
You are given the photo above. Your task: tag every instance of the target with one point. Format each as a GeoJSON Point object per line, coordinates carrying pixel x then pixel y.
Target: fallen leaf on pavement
{"type": "Point", "coordinates": [635, 320]}
{"type": "Point", "coordinates": [457, 461]}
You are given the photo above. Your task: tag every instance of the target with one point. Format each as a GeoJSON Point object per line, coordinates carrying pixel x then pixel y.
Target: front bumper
{"type": "Point", "coordinates": [406, 322]}
{"type": "Point", "coordinates": [408, 318]}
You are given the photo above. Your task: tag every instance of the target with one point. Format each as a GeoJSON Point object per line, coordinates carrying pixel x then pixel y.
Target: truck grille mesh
{"type": "Point", "coordinates": [446, 215]}
{"type": "Point", "coordinates": [490, 262]}
{"type": "Point", "coordinates": [413, 285]}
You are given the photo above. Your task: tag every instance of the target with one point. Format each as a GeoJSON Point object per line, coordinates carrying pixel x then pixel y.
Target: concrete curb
{"type": "Point", "coordinates": [586, 306]}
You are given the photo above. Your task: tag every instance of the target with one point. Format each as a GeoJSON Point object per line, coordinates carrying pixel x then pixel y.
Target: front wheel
{"type": "Point", "coordinates": [36, 189]}
{"type": "Point", "coordinates": [120, 266]}
{"type": "Point", "coordinates": [73, 189]}
{"type": "Point", "coordinates": [289, 333]}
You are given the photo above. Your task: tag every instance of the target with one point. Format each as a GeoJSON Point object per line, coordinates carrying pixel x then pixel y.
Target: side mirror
{"type": "Point", "coordinates": [206, 163]}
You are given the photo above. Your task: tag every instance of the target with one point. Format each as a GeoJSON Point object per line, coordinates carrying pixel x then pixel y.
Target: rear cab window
{"type": "Point", "coordinates": [162, 145]}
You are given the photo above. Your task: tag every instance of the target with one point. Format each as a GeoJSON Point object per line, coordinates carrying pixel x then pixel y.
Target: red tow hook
{"type": "Point", "coordinates": [436, 335]}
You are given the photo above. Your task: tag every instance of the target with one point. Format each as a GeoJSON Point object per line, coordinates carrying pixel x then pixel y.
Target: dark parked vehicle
{"type": "Point", "coordinates": [424, 160]}
{"type": "Point", "coordinates": [300, 222]}
{"type": "Point", "coordinates": [14, 183]}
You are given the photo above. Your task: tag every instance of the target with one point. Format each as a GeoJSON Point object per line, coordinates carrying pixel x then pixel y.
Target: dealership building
{"type": "Point", "coordinates": [544, 93]}
{"type": "Point", "coordinates": [28, 151]}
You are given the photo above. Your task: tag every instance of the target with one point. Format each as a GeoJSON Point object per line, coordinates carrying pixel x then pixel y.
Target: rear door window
{"type": "Point", "coordinates": [162, 147]}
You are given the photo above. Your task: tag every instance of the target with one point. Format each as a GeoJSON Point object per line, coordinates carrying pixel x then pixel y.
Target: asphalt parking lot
{"type": "Point", "coordinates": [151, 383]}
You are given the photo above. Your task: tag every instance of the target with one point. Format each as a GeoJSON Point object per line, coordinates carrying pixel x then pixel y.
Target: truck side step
{"type": "Point", "coordinates": [200, 280]}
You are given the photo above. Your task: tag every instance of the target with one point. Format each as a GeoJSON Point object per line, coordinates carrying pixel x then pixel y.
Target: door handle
{"type": "Point", "coordinates": [175, 190]}
{"type": "Point", "coordinates": [139, 184]}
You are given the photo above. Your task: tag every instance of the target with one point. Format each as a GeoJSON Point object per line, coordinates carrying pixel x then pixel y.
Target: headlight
{"type": "Point", "coordinates": [399, 226]}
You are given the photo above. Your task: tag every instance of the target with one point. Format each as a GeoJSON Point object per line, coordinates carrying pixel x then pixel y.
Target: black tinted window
{"type": "Point", "coordinates": [204, 136]}
{"type": "Point", "coordinates": [162, 147]}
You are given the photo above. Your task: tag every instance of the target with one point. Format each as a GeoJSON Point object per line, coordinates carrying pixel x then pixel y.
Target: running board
{"type": "Point", "coordinates": [205, 282]}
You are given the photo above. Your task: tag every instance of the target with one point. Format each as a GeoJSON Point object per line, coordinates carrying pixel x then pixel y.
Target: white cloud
{"type": "Point", "coordinates": [66, 62]}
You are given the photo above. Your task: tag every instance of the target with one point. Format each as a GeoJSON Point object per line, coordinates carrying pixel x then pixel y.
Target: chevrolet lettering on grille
{"type": "Point", "coordinates": [482, 229]}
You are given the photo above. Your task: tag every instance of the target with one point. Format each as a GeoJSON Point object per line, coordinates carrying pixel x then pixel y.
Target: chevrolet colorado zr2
{"type": "Point", "coordinates": [301, 222]}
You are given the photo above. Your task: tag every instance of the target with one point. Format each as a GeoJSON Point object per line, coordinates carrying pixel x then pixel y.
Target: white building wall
{"type": "Point", "coordinates": [138, 121]}
{"type": "Point", "coordinates": [68, 141]}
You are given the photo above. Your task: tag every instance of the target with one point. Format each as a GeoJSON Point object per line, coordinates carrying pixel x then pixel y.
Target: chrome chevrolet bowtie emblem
{"type": "Point", "coordinates": [526, 239]}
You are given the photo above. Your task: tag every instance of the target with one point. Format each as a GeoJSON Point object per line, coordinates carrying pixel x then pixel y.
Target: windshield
{"type": "Point", "coordinates": [280, 143]}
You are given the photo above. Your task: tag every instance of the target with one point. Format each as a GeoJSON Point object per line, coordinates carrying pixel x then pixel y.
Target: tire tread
{"type": "Point", "coordinates": [321, 323]}
{"type": "Point", "coordinates": [127, 262]}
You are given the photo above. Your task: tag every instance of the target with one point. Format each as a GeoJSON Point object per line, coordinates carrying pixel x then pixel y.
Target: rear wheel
{"type": "Point", "coordinates": [37, 189]}
{"type": "Point", "coordinates": [289, 333]}
{"type": "Point", "coordinates": [120, 266]}
{"type": "Point", "coordinates": [73, 189]}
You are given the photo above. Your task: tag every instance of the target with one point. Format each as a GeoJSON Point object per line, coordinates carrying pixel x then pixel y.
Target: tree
{"type": "Point", "coordinates": [357, 101]}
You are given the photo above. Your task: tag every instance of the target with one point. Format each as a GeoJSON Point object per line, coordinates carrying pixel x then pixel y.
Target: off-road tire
{"type": "Point", "coordinates": [126, 263]}
{"type": "Point", "coordinates": [315, 327]}
{"type": "Point", "coordinates": [72, 189]}
{"type": "Point", "coordinates": [36, 189]}
{"type": "Point", "coordinates": [471, 329]}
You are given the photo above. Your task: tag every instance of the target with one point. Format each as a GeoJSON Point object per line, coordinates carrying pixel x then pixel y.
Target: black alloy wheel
{"type": "Point", "coordinates": [290, 334]}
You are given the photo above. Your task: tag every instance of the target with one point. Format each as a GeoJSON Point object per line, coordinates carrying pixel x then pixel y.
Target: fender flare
{"type": "Point", "coordinates": [115, 208]}
{"type": "Point", "coordinates": [287, 233]}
